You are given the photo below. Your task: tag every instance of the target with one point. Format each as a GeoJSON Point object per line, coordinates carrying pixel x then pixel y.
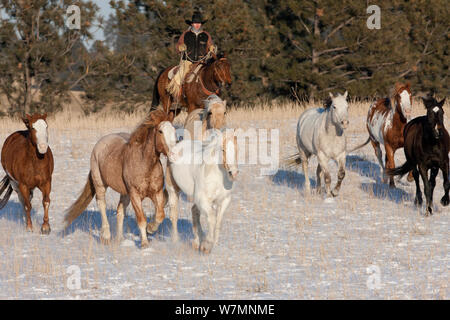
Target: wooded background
{"type": "Point", "coordinates": [290, 49]}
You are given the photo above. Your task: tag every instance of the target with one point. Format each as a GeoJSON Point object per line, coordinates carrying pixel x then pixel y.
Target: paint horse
{"type": "Point", "coordinates": [321, 132]}
{"type": "Point", "coordinates": [208, 182]}
{"type": "Point", "coordinates": [386, 120]}
{"type": "Point", "coordinates": [427, 144]}
{"type": "Point", "coordinates": [130, 165]}
{"type": "Point", "coordinates": [28, 162]}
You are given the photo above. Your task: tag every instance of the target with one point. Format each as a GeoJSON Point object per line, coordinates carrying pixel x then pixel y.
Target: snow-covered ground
{"type": "Point", "coordinates": [276, 243]}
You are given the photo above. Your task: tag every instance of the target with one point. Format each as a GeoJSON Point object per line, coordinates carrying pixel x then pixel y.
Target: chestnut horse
{"type": "Point", "coordinates": [214, 74]}
{"type": "Point", "coordinates": [385, 122]}
{"type": "Point", "coordinates": [130, 165]}
{"type": "Point", "coordinates": [28, 162]}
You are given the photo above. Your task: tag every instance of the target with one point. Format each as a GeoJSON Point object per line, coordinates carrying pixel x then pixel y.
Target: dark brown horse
{"type": "Point", "coordinates": [28, 162]}
{"type": "Point", "coordinates": [385, 122]}
{"type": "Point", "coordinates": [214, 74]}
{"type": "Point", "coordinates": [427, 145]}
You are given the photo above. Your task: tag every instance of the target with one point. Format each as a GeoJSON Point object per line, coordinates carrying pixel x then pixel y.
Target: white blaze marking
{"type": "Point", "coordinates": [436, 109]}
{"type": "Point", "coordinates": [405, 102]}
{"type": "Point", "coordinates": [41, 134]}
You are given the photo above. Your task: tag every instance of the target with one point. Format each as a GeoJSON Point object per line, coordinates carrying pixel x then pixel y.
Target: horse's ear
{"type": "Point", "coordinates": [427, 102]}
{"type": "Point", "coordinates": [440, 104]}
{"type": "Point", "coordinates": [44, 116]}
{"type": "Point", "coordinates": [345, 94]}
{"type": "Point", "coordinates": [331, 95]}
{"type": "Point", "coordinates": [408, 85]}
{"type": "Point", "coordinates": [26, 119]}
{"type": "Point", "coordinates": [398, 86]}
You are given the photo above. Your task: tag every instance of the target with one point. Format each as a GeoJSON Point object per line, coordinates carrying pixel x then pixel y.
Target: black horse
{"type": "Point", "coordinates": [427, 145]}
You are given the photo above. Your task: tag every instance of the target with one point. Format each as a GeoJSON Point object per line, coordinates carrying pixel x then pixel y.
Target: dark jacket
{"type": "Point", "coordinates": [197, 44]}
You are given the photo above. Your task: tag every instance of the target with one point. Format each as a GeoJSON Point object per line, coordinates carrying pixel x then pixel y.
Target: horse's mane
{"type": "Point", "coordinates": [327, 103]}
{"type": "Point", "coordinates": [151, 121]}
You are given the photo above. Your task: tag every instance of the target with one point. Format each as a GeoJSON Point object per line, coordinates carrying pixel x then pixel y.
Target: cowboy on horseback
{"type": "Point", "coordinates": [194, 44]}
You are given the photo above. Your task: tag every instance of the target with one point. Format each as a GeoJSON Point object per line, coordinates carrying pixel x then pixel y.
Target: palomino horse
{"type": "Point", "coordinates": [208, 182]}
{"type": "Point", "coordinates": [130, 165]}
{"type": "Point", "coordinates": [212, 76]}
{"type": "Point", "coordinates": [28, 162]}
{"type": "Point", "coordinates": [427, 145]}
{"type": "Point", "coordinates": [385, 122]}
{"type": "Point", "coordinates": [320, 132]}
{"type": "Point", "coordinates": [212, 116]}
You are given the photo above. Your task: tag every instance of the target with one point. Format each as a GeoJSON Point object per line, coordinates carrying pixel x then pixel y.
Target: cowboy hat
{"type": "Point", "coordinates": [196, 18]}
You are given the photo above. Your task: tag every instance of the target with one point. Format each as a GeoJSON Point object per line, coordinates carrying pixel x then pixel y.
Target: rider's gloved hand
{"type": "Point", "coordinates": [182, 47]}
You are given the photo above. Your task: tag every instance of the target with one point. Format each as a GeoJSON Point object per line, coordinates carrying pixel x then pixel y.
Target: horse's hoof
{"type": "Point", "coordinates": [29, 229]}
{"type": "Point", "coordinates": [418, 202]}
{"type": "Point", "coordinates": [45, 229]}
{"type": "Point", "coordinates": [334, 193]}
{"type": "Point", "coordinates": [429, 211]}
{"type": "Point", "coordinates": [145, 245]}
{"type": "Point", "coordinates": [152, 227]}
{"type": "Point", "coordinates": [445, 201]}
{"type": "Point", "coordinates": [105, 241]}
{"type": "Point", "coordinates": [195, 244]}
{"type": "Point", "coordinates": [206, 247]}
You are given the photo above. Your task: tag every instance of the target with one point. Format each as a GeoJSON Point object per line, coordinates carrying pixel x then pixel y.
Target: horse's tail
{"type": "Point", "coordinates": [360, 146]}
{"type": "Point", "coordinates": [400, 171]}
{"type": "Point", "coordinates": [5, 183]}
{"type": "Point", "coordinates": [156, 97]}
{"type": "Point", "coordinates": [293, 160]}
{"type": "Point", "coordinates": [81, 203]}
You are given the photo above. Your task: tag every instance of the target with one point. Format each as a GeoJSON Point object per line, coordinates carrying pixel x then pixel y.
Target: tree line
{"type": "Point", "coordinates": [290, 49]}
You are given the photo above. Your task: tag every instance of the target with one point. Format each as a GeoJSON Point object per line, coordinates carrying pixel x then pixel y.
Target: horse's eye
{"type": "Point", "coordinates": [209, 113]}
{"type": "Point", "coordinates": [160, 131]}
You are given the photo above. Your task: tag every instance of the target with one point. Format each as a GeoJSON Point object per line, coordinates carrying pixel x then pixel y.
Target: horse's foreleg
{"type": "Point", "coordinates": [45, 189]}
{"type": "Point", "coordinates": [319, 175]}
{"type": "Point", "coordinates": [173, 192]}
{"type": "Point", "coordinates": [390, 163]}
{"type": "Point", "coordinates": [206, 209]}
{"type": "Point", "coordinates": [121, 208]}
{"type": "Point", "coordinates": [433, 174]}
{"type": "Point", "coordinates": [341, 175]}
{"type": "Point", "coordinates": [323, 162]}
{"type": "Point", "coordinates": [220, 211]}
{"type": "Point", "coordinates": [136, 202]}
{"type": "Point", "coordinates": [158, 201]}
{"type": "Point", "coordinates": [418, 200]}
{"type": "Point", "coordinates": [427, 189]}
{"type": "Point", "coordinates": [25, 199]}
{"type": "Point", "coordinates": [196, 227]}
{"type": "Point", "coordinates": [445, 199]}
{"type": "Point", "coordinates": [304, 159]}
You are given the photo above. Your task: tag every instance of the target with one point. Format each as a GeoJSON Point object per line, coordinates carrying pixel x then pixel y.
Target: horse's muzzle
{"type": "Point", "coordinates": [344, 124]}
{"type": "Point", "coordinates": [42, 148]}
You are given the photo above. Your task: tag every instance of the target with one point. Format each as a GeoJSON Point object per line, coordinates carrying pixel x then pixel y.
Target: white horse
{"type": "Point", "coordinates": [206, 175]}
{"type": "Point", "coordinates": [320, 132]}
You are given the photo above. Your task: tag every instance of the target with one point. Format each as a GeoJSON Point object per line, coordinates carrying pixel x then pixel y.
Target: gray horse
{"type": "Point", "coordinates": [320, 132]}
